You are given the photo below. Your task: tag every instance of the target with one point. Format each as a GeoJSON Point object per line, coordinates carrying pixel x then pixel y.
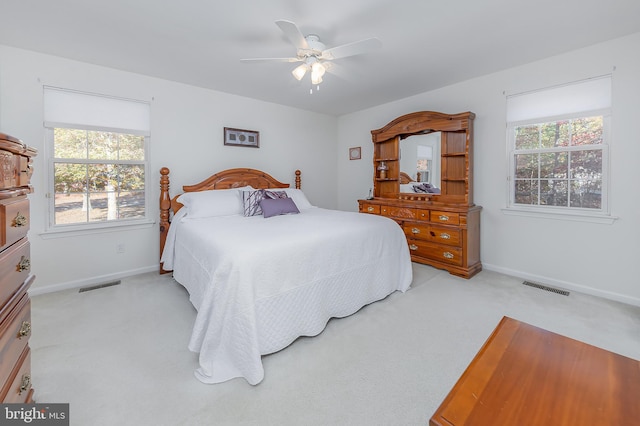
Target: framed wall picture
{"type": "Point", "coordinates": [240, 137]}
{"type": "Point", "coordinates": [355, 153]}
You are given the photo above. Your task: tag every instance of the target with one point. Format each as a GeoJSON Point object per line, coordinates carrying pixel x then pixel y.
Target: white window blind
{"type": "Point", "coordinates": [573, 98]}
{"type": "Point", "coordinates": [67, 108]}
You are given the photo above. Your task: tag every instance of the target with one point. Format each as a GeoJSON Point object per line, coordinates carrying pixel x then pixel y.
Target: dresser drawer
{"type": "Point", "coordinates": [15, 330]}
{"type": "Point", "coordinates": [444, 235]}
{"type": "Point", "coordinates": [445, 217]}
{"type": "Point", "coordinates": [446, 254]}
{"type": "Point", "coordinates": [18, 388]}
{"type": "Point", "coordinates": [399, 212]}
{"type": "Point", "coordinates": [370, 208]}
{"type": "Point", "coordinates": [422, 214]}
{"type": "Point", "coordinates": [416, 230]}
{"type": "Point", "coordinates": [15, 265]}
{"type": "Point", "coordinates": [7, 169]}
{"type": "Point", "coordinates": [14, 221]}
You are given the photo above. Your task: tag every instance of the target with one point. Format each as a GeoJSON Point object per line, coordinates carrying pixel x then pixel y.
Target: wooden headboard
{"type": "Point", "coordinates": [231, 178]}
{"type": "Point", "coordinates": [405, 178]}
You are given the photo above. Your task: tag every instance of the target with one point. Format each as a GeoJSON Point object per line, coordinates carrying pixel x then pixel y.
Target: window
{"type": "Point", "coordinates": [97, 154]}
{"type": "Point", "coordinates": [558, 148]}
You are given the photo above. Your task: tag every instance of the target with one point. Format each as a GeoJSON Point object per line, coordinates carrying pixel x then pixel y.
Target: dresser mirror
{"type": "Point", "coordinates": [420, 160]}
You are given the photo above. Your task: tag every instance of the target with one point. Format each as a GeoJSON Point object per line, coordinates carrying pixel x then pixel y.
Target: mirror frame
{"type": "Point", "coordinates": [423, 122]}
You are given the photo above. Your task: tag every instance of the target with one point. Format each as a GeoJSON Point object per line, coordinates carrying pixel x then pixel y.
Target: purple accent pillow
{"type": "Point", "coordinates": [277, 206]}
{"type": "Point", "coordinates": [251, 200]}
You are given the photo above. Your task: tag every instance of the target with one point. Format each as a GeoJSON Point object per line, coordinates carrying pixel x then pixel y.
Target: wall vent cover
{"type": "Point", "coordinates": [95, 287]}
{"type": "Point", "coordinates": [546, 288]}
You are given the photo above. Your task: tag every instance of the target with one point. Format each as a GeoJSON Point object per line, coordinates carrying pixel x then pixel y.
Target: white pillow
{"type": "Point", "coordinates": [216, 202]}
{"type": "Point", "coordinates": [298, 198]}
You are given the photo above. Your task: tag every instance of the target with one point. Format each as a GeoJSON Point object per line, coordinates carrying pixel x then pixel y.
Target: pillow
{"type": "Point", "coordinates": [268, 193]}
{"type": "Point", "coordinates": [215, 202]}
{"type": "Point", "coordinates": [298, 197]}
{"type": "Point", "coordinates": [277, 206]}
{"type": "Point", "coordinates": [251, 200]}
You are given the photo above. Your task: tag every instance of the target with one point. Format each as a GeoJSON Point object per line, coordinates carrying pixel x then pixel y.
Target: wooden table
{"type": "Point", "coordinates": [524, 375]}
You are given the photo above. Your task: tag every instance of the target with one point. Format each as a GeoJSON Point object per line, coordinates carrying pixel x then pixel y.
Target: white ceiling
{"type": "Point", "coordinates": [426, 44]}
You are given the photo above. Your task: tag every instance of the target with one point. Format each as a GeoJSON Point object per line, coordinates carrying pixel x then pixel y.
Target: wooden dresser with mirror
{"type": "Point", "coordinates": [15, 271]}
{"type": "Point", "coordinates": [432, 152]}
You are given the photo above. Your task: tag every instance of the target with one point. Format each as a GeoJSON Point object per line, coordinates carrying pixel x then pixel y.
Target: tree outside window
{"type": "Point", "coordinates": [559, 163]}
{"type": "Point", "coordinates": [99, 176]}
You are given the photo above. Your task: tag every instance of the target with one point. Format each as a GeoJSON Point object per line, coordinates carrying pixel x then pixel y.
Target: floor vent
{"type": "Point", "coordinates": [546, 288]}
{"type": "Point", "coordinates": [95, 287]}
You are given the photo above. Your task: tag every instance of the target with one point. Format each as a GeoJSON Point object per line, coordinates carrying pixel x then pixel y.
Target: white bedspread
{"type": "Point", "coordinates": [258, 283]}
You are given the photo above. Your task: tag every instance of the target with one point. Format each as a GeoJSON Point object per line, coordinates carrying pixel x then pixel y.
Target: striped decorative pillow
{"type": "Point", "coordinates": [251, 202]}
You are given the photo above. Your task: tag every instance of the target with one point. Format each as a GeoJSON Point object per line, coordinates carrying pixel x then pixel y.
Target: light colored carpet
{"type": "Point", "coordinates": [119, 355]}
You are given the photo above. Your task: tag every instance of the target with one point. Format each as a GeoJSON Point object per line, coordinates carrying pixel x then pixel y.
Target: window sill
{"type": "Point", "coordinates": [76, 230]}
{"type": "Point", "coordinates": [561, 215]}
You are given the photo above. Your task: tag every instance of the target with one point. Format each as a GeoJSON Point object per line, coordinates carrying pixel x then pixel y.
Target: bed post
{"type": "Point", "coordinates": [165, 206]}
{"type": "Point", "coordinates": [297, 179]}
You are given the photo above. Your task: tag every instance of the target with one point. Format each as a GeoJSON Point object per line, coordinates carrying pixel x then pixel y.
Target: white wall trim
{"type": "Point", "coordinates": [52, 288]}
{"type": "Point", "coordinates": [547, 213]}
{"type": "Point", "coordinates": [565, 285]}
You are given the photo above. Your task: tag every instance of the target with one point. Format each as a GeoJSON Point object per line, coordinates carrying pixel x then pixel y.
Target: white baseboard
{"type": "Point", "coordinates": [51, 288]}
{"type": "Point", "coordinates": [564, 284]}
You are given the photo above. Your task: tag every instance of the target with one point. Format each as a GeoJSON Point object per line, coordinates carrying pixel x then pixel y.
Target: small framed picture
{"type": "Point", "coordinates": [240, 137]}
{"type": "Point", "coordinates": [355, 153]}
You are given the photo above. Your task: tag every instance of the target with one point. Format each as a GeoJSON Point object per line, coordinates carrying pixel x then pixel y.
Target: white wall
{"type": "Point", "coordinates": [593, 258]}
{"type": "Point", "coordinates": [186, 136]}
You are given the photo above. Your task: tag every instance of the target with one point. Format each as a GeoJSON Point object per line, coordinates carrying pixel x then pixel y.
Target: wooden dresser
{"type": "Point", "coordinates": [15, 266]}
{"type": "Point", "coordinates": [442, 236]}
{"type": "Point", "coordinates": [442, 228]}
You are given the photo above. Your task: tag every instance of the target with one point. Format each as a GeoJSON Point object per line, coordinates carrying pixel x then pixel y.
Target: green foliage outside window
{"type": "Point", "coordinates": [559, 163]}
{"type": "Point", "coordinates": [98, 176]}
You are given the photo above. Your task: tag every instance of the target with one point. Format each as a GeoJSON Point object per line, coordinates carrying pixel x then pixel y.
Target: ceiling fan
{"type": "Point", "coordinates": [314, 55]}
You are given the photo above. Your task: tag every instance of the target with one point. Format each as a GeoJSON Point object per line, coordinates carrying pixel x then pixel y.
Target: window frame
{"type": "Point", "coordinates": [602, 215]}
{"type": "Point", "coordinates": [52, 229]}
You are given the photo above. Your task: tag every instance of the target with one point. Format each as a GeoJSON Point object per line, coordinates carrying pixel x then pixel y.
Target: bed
{"type": "Point", "coordinates": [260, 281]}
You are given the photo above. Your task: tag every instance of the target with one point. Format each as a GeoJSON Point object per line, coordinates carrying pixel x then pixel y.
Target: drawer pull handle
{"type": "Point", "coordinates": [413, 247]}
{"type": "Point", "coordinates": [24, 265]}
{"type": "Point", "coordinates": [20, 220]}
{"type": "Point", "coordinates": [25, 329]}
{"type": "Point", "coordinates": [370, 209]}
{"type": "Point", "coordinates": [415, 231]}
{"type": "Point", "coordinates": [25, 383]}
{"type": "Point", "coordinates": [447, 255]}
{"type": "Point", "coordinates": [445, 236]}
{"type": "Point", "coordinates": [443, 218]}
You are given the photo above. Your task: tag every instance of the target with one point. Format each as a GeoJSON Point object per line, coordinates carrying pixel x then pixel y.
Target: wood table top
{"type": "Point", "coordinates": [524, 375]}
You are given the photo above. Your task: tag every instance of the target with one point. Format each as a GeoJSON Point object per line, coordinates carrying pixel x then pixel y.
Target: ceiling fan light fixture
{"type": "Point", "coordinates": [312, 52]}
{"type": "Point", "coordinates": [317, 71]}
{"type": "Point", "coordinates": [300, 71]}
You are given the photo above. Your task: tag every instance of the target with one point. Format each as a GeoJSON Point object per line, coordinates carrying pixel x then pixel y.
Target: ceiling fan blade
{"type": "Point", "coordinates": [270, 60]}
{"type": "Point", "coordinates": [351, 49]}
{"type": "Point", "coordinates": [293, 33]}
{"type": "Point", "coordinates": [337, 70]}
